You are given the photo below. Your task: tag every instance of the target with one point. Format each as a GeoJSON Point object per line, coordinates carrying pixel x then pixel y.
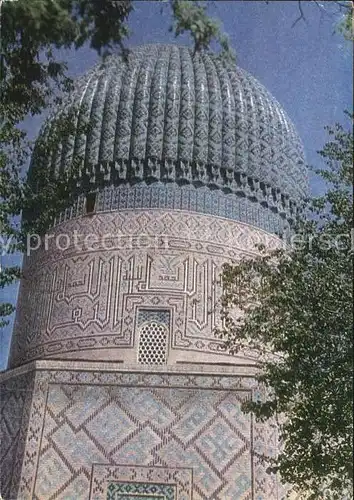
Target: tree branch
{"type": "Point", "coordinates": [301, 16]}
{"type": "Point", "coordinates": [341, 5]}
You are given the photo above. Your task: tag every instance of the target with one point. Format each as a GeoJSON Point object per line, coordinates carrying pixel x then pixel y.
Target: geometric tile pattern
{"type": "Point", "coordinates": [93, 300]}
{"type": "Point", "coordinates": [173, 116]}
{"type": "Point", "coordinates": [198, 429]}
{"type": "Point", "coordinates": [15, 400]}
{"type": "Point", "coordinates": [155, 421]}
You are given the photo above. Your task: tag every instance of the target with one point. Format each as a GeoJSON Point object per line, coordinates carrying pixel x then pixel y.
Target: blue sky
{"type": "Point", "coordinates": [308, 68]}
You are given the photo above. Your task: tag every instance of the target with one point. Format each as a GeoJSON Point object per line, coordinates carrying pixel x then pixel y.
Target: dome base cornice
{"type": "Point", "coordinates": [152, 170]}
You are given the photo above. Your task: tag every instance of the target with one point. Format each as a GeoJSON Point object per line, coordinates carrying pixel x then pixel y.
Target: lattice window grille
{"type": "Point", "coordinates": [152, 344]}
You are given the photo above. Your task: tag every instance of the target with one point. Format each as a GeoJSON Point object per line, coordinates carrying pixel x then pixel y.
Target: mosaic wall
{"type": "Point", "coordinates": [78, 299]}
{"type": "Point", "coordinates": [15, 401]}
{"type": "Point", "coordinates": [97, 431]}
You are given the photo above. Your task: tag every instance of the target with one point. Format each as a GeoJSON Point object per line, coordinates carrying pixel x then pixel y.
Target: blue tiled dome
{"type": "Point", "coordinates": [187, 122]}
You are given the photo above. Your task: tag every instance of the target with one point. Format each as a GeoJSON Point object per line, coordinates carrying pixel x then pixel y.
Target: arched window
{"type": "Point", "coordinates": [152, 344]}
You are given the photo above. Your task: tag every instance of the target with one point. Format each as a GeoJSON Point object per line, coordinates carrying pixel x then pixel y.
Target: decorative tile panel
{"type": "Point", "coordinates": [15, 400]}
{"type": "Point", "coordinates": [156, 422]}
{"type": "Point", "coordinates": [140, 482]}
{"type": "Point", "coordinates": [140, 491]}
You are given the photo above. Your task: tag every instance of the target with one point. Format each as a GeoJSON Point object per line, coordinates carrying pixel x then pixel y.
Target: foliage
{"type": "Point", "coordinates": [192, 16]}
{"type": "Point", "coordinates": [30, 33]}
{"type": "Point", "coordinates": [294, 306]}
{"type": "Point", "coordinates": [13, 155]}
{"type": "Point", "coordinates": [346, 24]}
{"type": "Point", "coordinates": [344, 8]}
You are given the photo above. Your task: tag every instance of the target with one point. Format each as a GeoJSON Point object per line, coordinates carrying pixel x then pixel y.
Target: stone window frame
{"type": "Point", "coordinates": [104, 474]}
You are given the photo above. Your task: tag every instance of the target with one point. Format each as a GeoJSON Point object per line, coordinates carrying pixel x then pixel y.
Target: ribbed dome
{"type": "Point", "coordinates": [169, 116]}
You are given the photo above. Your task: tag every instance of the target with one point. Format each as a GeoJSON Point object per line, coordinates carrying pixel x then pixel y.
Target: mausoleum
{"type": "Point", "coordinates": [117, 387]}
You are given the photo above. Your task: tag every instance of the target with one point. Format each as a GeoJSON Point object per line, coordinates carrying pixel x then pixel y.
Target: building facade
{"type": "Point", "coordinates": [117, 387]}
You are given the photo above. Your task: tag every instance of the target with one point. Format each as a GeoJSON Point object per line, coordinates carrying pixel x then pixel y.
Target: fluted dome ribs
{"type": "Point", "coordinates": [172, 111]}
{"type": "Point", "coordinates": [166, 115]}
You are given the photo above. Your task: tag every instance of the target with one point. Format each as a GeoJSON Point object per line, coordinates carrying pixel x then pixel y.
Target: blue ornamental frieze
{"type": "Point", "coordinates": [188, 198]}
